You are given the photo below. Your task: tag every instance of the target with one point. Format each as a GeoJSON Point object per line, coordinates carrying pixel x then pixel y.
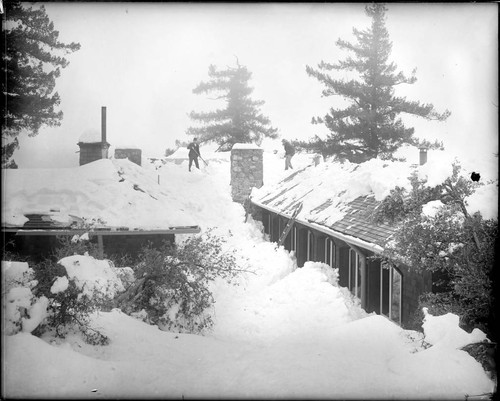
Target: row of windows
{"type": "Point", "coordinates": [383, 289]}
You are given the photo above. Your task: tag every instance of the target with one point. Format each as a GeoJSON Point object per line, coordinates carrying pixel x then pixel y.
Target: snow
{"type": "Point", "coordinates": [37, 313]}
{"type": "Point", "coordinates": [90, 136]}
{"type": "Point", "coordinates": [283, 332]}
{"type": "Point", "coordinates": [117, 192]}
{"type": "Point", "coordinates": [92, 276]}
{"type": "Point", "coordinates": [237, 146]}
{"type": "Point", "coordinates": [326, 189]}
{"type": "Point", "coordinates": [430, 209]}
{"type": "Point", "coordinates": [14, 271]}
{"type": "Point", "coordinates": [443, 331]}
{"type": "Point", "coordinates": [485, 201]}
{"type": "Point", "coordinates": [60, 285]}
{"type": "Point", "coordinates": [436, 169]}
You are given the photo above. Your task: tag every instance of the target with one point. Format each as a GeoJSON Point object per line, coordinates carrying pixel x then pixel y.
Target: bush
{"type": "Point", "coordinates": [172, 283]}
{"type": "Point", "coordinates": [66, 300]}
{"type": "Point", "coordinates": [70, 302]}
{"type": "Point", "coordinates": [458, 248]}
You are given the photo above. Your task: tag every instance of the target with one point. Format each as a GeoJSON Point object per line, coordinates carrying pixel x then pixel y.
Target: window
{"type": "Point", "coordinates": [330, 252]}
{"type": "Point", "coordinates": [354, 273]}
{"type": "Point", "coordinates": [390, 292]}
{"type": "Point", "coordinates": [310, 245]}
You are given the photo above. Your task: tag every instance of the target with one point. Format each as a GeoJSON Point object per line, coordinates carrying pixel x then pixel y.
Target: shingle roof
{"type": "Point", "coordinates": [359, 222]}
{"type": "Point", "coordinates": [330, 201]}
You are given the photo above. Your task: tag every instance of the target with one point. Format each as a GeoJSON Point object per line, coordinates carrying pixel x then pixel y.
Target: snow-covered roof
{"type": "Point", "coordinates": [90, 136]}
{"type": "Point", "coordinates": [343, 196]}
{"type": "Point", "coordinates": [338, 196]}
{"type": "Point", "coordinates": [238, 146]}
{"type": "Point", "coordinates": [115, 191]}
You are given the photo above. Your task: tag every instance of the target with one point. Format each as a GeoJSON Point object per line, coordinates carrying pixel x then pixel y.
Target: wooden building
{"type": "Point", "coordinates": [342, 234]}
{"type": "Point", "coordinates": [353, 246]}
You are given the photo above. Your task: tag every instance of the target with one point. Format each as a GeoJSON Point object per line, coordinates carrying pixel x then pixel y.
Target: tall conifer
{"type": "Point", "coordinates": [32, 57]}
{"type": "Point", "coordinates": [240, 121]}
{"type": "Point", "coordinates": [370, 126]}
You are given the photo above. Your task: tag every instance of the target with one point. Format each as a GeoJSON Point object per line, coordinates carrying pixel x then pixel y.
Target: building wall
{"type": "Point", "coordinates": [414, 284]}
{"type": "Point", "coordinates": [246, 171]}
{"type": "Point", "coordinates": [411, 286]}
{"type": "Point", "coordinates": [134, 155]}
{"type": "Point", "coordinates": [90, 152]}
{"type": "Point", "coordinates": [40, 247]}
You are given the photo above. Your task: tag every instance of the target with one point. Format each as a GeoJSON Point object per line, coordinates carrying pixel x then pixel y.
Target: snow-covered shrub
{"type": "Point", "coordinates": [76, 287]}
{"type": "Point", "coordinates": [18, 302]}
{"type": "Point", "coordinates": [59, 295]}
{"type": "Point", "coordinates": [436, 233]}
{"type": "Point", "coordinates": [172, 283]}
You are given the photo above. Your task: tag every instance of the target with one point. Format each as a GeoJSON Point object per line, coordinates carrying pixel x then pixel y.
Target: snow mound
{"type": "Point", "coordinates": [444, 331]}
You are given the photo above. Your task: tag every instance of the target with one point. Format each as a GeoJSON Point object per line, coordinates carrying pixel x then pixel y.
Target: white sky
{"type": "Point", "coordinates": [142, 61]}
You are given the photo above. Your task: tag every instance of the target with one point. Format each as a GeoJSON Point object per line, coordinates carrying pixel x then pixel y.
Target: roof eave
{"type": "Point", "coordinates": [346, 238]}
{"type": "Point", "coordinates": [69, 231]}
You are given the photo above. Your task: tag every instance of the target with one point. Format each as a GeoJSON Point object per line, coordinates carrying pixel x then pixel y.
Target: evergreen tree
{"type": "Point", "coordinates": [370, 126]}
{"type": "Point", "coordinates": [32, 57]}
{"type": "Point", "coordinates": [241, 120]}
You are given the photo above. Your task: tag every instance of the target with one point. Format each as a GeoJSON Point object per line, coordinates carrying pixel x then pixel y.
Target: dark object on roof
{"type": "Point", "coordinates": [475, 176]}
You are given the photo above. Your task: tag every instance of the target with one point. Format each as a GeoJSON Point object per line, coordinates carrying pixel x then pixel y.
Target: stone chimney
{"type": "Point", "coordinates": [247, 170]}
{"type": "Point", "coordinates": [423, 156]}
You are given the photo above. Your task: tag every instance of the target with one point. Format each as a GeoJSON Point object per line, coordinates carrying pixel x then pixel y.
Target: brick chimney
{"type": "Point", "coordinates": [91, 148]}
{"type": "Point", "coordinates": [103, 124]}
{"type": "Point", "coordinates": [423, 156]}
{"type": "Point", "coordinates": [104, 143]}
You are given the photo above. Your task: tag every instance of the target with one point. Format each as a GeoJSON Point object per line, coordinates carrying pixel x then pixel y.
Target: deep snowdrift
{"type": "Point", "coordinates": [282, 333]}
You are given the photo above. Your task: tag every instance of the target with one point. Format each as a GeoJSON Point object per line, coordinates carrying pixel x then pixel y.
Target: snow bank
{"type": "Point", "coordinates": [444, 331]}
{"type": "Point", "coordinates": [307, 299]}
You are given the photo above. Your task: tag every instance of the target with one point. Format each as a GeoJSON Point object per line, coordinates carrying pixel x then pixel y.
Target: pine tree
{"type": "Point", "coordinates": [370, 127]}
{"type": "Point", "coordinates": [241, 120]}
{"type": "Point", "coordinates": [31, 61]}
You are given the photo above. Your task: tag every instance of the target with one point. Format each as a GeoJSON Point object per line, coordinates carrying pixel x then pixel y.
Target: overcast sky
{"type": "Point", "coordinates": [142, 61]}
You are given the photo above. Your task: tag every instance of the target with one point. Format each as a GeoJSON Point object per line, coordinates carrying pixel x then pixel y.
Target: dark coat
{"type": "Point", "coordinates": [194, 150]}
{"type": "Point", "coordinates": [289, 149]}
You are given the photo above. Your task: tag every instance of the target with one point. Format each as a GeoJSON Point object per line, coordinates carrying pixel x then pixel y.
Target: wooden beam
{"type": "Point", "coordinates": [62, 231]}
